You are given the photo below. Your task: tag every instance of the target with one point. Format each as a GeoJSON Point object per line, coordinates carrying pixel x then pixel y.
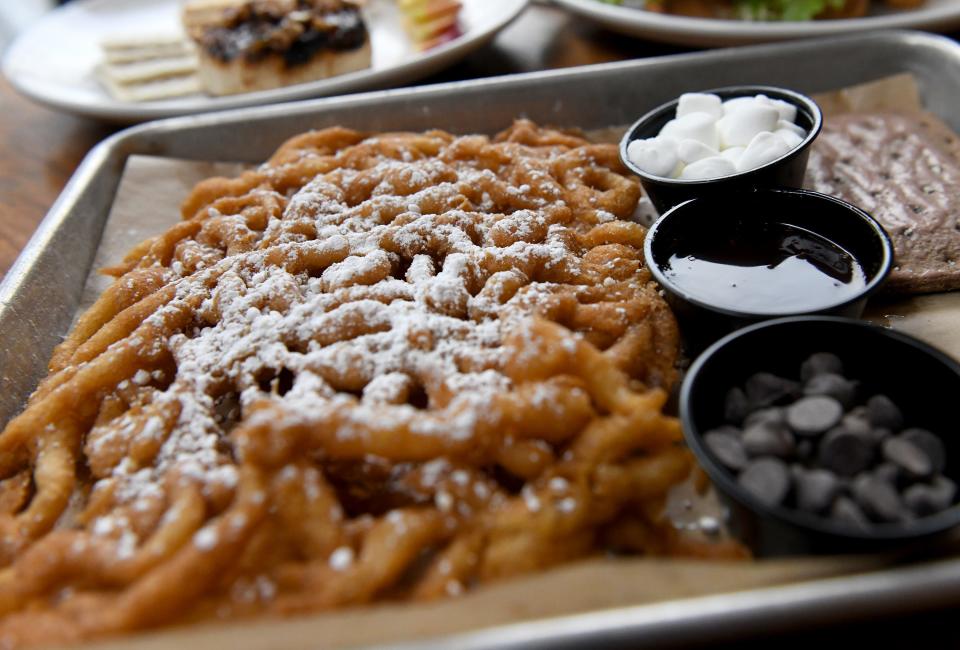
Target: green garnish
{"type": "Point", "coordinates": [784, 9]}
{"type": "Point", "coordinates": [765, 10]}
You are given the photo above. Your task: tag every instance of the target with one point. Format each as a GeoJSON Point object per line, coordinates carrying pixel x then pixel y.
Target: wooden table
{"type": "Point", "coordinates": [40, 149]}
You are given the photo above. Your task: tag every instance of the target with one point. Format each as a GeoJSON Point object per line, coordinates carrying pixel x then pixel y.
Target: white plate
{"type": "Point", "coordinates": [53, 61]}
{"type": "Point", "coordinates": [934, 15]}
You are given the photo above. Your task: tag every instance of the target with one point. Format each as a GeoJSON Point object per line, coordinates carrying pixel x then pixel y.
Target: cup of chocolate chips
{"type": "Point", "coordinates": [827, 434]}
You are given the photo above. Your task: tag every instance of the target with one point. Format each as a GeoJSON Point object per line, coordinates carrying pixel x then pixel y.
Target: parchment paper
{"type": "Point", "coordinates": [147, 203]}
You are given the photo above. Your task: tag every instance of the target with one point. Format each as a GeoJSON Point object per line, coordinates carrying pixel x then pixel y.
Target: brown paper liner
{"type": "Point", "coordinates": [147, 203]}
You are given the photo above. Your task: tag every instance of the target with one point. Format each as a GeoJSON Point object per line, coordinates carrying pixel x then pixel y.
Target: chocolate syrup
{"type": "Point", "coordinates": [258, 30]}
{"type": "Point", "coordinates": [766, 268]}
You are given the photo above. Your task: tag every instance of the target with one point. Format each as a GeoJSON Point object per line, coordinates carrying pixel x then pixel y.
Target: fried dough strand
{"type": "Point", "coordinates": [375, 367]}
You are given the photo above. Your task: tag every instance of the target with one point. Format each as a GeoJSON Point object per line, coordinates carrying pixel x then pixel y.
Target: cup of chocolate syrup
{"type": "Point", "coordinates": [728, 261]}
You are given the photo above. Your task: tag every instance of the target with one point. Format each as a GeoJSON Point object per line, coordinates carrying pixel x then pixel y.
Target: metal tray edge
{"type": "Point", "coordinates": [304, 107]}
{"type": "Point", "coordinates": [724, 617]}
{"type": "Point", "coordinates": [677, 621]}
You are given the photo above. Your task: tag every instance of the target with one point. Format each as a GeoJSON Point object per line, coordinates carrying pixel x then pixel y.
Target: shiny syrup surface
{"type": "Point", "coordinates": [770, 268]}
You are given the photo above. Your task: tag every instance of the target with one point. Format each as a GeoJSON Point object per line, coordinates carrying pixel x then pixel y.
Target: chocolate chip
{"type": "Point", "coordinates": [735, 406]}
{"type": "Point", "coordinates": [882, 412]}
{"type": "Point", "coordinates": [819, 363]}
{"type": "Point", "coordinates": [946, 484]}
{"type": "Point", "coordinates": [922, 500]}
{"type": "Point", "coordinates": [856, 422]}
{"type": "Point", "coordinates": [846, 511]}
{"type": "Point", "coordinates": [771, 415]}
{"type": "Point", "coordinates": [888, 472]}
{"type": "Point", "coordinates": [930, 498]}
{"type": "Point", "coordinates": [913, 460]}
{"type": "Point", "coordinates": [815, 489]}
{"type": "Point", "coordinates": [767, 479]}
{"type": "Point", "coordinates": [796, 469]}
{"type": "Point", "coordinates": [813, 415]}
{"type": "Point", "coordinates": [946, 488]}
{"type": "Point", "coordinates": [768, 439]}
{"type": "Point", "coordinates": [848, 462]}
{"type": "Point", "coordinates": [878, 498]}
{"type": "Point", "coordinates": [844, 452]}
{"type": "Point", "coordinates": [832, 385]}
{"type": "Point", "coordinates": [765, 389]}
{"type": "Point", "coordinates": [931, 444]}
{"type": "Point", "coordinates": [725, 444]}
{"type": "Point", "coordinates": [877, 435]}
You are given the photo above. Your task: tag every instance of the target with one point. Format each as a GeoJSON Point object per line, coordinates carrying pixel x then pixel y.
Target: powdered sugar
{"type": "Point", "coordinates": [567, 505]}
{"type": "Point", "coordinates": [530, 498]}
{"type": "Point", "coordinates": [396, 282]}
{"type": "Point", "coordinates": [558, 484]}
{"type": "Point", "coordinates": [205, 538]}
{"type": "Point", "coordinates": [341, 558]}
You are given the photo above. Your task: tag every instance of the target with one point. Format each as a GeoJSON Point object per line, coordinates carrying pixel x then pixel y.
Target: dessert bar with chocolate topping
{"type": "Point", "coordinates": [261, 44]}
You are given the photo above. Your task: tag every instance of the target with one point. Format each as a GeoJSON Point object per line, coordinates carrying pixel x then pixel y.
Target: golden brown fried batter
{"type": "Point", "coordinates": [385, 366]}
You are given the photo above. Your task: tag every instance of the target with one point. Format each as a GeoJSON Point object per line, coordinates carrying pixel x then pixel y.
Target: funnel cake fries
{"type": "Point", "coordinates": [375, 367]}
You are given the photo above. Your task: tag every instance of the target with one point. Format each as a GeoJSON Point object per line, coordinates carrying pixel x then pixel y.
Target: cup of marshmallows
{"type": "Point", "coordinates": [722, 140]}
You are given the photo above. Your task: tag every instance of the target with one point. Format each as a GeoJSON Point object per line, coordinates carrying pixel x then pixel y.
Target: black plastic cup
{"type": "Point", "coordinates": [913, 374]}
{"type": "Point", "coordinates": [702, 321]}
{"type": "Point", "coordinates": [786, 171]}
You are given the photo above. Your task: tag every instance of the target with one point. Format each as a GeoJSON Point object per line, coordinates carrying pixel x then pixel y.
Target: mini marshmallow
{"type": "Point", "coordinates": [764, 148]}
{"type": "Point", "coordinates": [733, 153]}
{"type": "Point", "coordinates": [690, 151]}
{"type": "Point", "coordinates": [739, 128]}
{"type": "Point", "coordinates": [790, 137]}
{"type": "Point", "coordinates": [788, 112]}
{"type": "Point", "coordinates": [657, 156]}
{"type": "Point", "coordinates": [732, 105]}
{"type": "Point", "coordinates": [783, 124]}
{"type": "Point", "coordinates": [700, 103]}
{"type": "Point", "coordinates": [695, 126]}
{"type": "Point", "coordinates": [712, 167]}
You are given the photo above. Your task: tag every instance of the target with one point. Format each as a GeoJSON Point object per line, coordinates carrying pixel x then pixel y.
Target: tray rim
{"type": "Point", "coordinates": [846, 597]}
{"type": "Point", "coordinates": [724, 615]}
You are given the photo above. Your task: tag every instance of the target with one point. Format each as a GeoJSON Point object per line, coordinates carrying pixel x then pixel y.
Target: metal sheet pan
{"type": "Point", "coordinates": [41, 292]}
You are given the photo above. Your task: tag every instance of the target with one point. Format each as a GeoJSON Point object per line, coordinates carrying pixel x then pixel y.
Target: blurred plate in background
{"type": "Point", "coordinates": [53, 62]}
{"type": "Point", "coordinates": [934, 15]}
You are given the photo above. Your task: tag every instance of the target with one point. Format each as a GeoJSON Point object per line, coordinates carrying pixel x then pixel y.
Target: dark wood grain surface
{"type": "Point", "coordinates": [40, 149]}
